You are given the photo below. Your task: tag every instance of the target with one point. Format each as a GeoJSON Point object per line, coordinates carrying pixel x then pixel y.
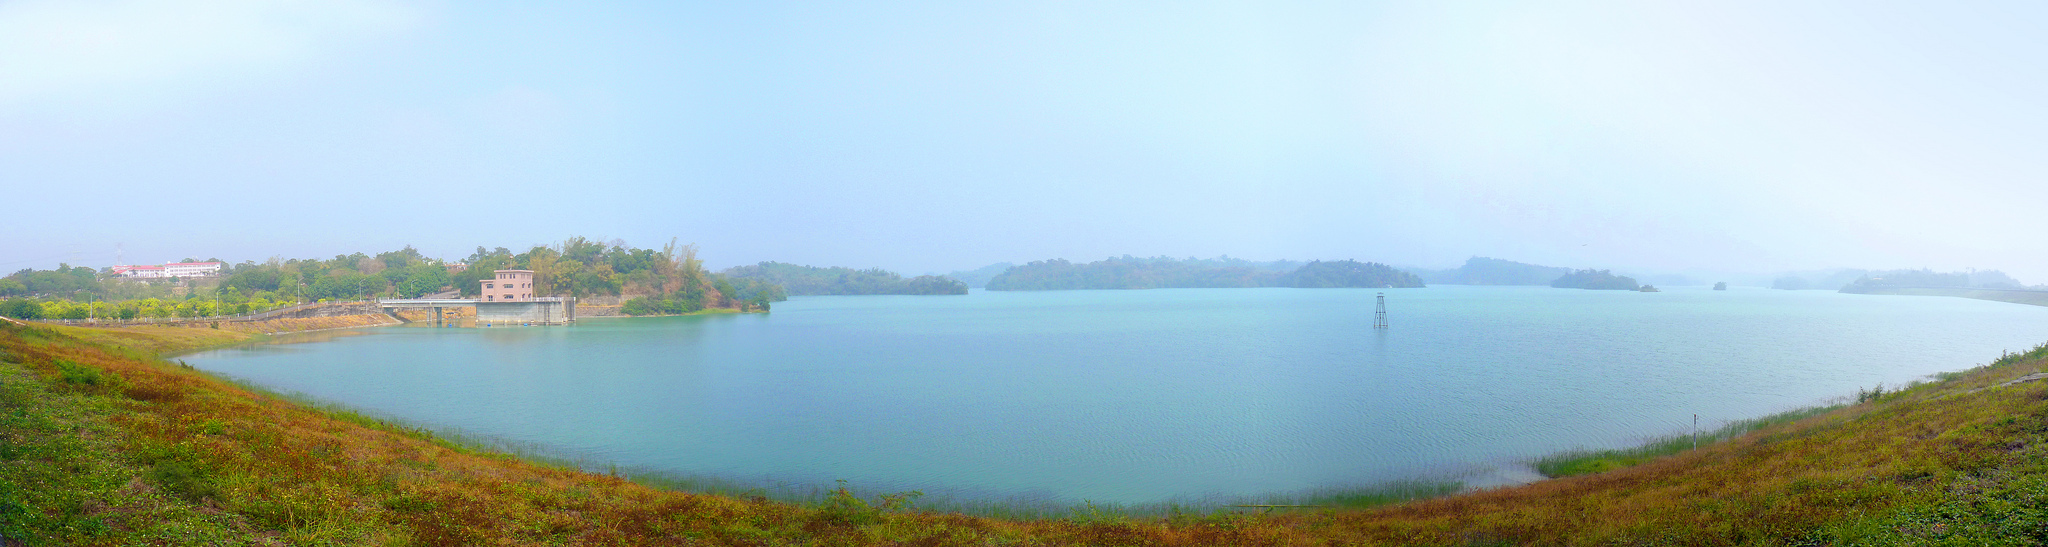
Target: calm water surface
{"type": "Point", "coordinates": [1135, 396]}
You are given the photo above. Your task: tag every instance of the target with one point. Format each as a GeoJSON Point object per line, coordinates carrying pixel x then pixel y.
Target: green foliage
{"type": "Point", "coordinates": [575, 267]}
{"type": "Point", "coordinates": [1349, 273]}
{"type": "Point", "coordinates": [1596, 280]}
{"type": "Point", "coordinates": [254, 279]}
{"type": "Point", "coordinates": [1583, 462]}
{"type": "Point", "coordinates": [346, 286]}
{"type": "Point", "coordinates": [583, 267]}
{"type": "Point", "coordinates": [842, 507]}
{"type": "Point", "coordinates": [183, 480]}
{"type": "Point", "coordinates": [418, 280]}
{"type": "Point", "coordinates": [64, 479]}
{"type": "Point", "coordinates": [80, 375]}
{"type": "Point", "coordinates": [21, 308]}
{"type": "Point", "coordinates": [63, 281]}
{"type": "Point", "coordinates": [669, 304]}
{"type": "Point", "coordinates": [811, 280]}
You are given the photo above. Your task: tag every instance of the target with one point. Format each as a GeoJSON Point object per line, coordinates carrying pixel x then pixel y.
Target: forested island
{"type": "Point", "coordinates": [1220, 273]}
{"type": "Point", "coordinates": [1599, 280]}
{"type": "Point", "coordinates": [813, 280]}
{"type": "Point", "coordinates": [1481, 270]}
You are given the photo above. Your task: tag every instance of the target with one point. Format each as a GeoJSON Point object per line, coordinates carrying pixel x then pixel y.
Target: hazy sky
{"type": "Point", "coordinates": [1650, 136]}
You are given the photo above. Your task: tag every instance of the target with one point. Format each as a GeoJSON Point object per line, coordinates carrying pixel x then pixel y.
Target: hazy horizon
{"type": "Point", "coordinates": [1740, 137]}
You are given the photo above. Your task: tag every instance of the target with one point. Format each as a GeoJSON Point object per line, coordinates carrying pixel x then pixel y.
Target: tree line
{"type": "Point", "coordinates": [813, 280]}
{"type": "Point", "coordinates": [664, 281]}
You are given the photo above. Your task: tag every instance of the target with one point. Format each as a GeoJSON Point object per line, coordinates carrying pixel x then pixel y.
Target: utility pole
{"type": "Point", "coordinates": [1379, 314]}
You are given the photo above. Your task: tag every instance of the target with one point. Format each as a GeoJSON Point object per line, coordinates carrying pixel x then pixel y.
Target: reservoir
{"type": "Point", "coordinates": [1148, 395]}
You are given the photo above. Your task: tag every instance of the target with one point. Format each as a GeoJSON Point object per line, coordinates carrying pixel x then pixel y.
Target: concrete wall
{"type": "Point", "coordinates": [515, 313]}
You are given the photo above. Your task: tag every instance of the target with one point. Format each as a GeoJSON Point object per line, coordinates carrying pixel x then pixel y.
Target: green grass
{"type": "Point", "coordinates": [64, 479]}
{"type": "Point", "coordinates": [1583, 462]}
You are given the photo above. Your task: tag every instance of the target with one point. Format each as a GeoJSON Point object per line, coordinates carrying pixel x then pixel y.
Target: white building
{"type": "Point", "coordinates": [139, 271]}
{"type": "Point", "coordinates": [192, 269]}
{"type": "Point", "coordinates": [174, 269]}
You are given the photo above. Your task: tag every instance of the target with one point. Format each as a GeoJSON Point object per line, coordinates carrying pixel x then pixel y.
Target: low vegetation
{"type": "Point", "coordinates": [103, 444]}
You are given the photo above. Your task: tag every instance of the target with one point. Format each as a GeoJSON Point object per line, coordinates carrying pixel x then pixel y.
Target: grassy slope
{"type": "Point", "coordinates": [100, 445]}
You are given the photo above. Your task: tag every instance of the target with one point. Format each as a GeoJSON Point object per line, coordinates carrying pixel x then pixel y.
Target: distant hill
{"type": "Point", "coordinates": [1132, 273]}
{"type": "Point", "coordinates": [1129, 272]}
{"type": "Point", "coordinates": [1879, 280]}
{"type": "Point", "coordinates": [812, 280]}
{"type": "Point", "coordinates": [1817, 279]}
{"type": "Point", "coordinates": [1599, 280]}
{"type": "Point", "coordinates": [978, 277]}
{"type": "Point", "coordinates": [1481, 270]}
{"type": "Point", "coordinates": [1349, 273]}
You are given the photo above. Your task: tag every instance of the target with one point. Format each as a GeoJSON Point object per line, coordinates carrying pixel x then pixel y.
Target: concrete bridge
{"type": "Point", "coordinates": [551, 310]}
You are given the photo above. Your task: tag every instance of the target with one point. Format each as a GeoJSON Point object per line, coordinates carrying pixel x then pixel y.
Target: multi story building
{"type": "Point", "coordinates": [174, 269]}
{"type": "Point", "coordinates": [509, 286]}
{"type": "Point", "coordinates": [192, 269]}
{"type": "Point", "coordinates": [148, 272]}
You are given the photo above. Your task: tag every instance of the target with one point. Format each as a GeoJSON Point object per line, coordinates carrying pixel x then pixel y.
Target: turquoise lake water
{"type": "Point", "coordinates": [1139, 396]}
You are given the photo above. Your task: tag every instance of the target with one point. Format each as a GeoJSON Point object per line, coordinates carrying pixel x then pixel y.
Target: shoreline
{"type": "Point", "coordinates": [1862, 473]}
{"type": "Point", "coordinates": [1507, 475]}
{"type": "Point", "coordinates": [2022, 297]}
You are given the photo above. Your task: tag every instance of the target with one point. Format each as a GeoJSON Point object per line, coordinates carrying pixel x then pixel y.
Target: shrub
{"type": "Point", "coordinates": [183, 480]}
{"type": "Point", "coordinates": [842, 507]}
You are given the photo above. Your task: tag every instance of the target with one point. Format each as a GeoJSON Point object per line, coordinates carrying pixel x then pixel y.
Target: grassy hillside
{"type": "Point", "coordinates": [102, 445]}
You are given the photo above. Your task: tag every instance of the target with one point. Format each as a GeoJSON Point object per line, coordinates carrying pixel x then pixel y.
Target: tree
{"type": "Point", "coordinates": [420, 279]}
{"type": "Point", "coordinates": [21, 308]}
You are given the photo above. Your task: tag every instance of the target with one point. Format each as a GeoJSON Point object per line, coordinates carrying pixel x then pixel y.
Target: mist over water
{"type": "Point", "coordinates": [1138, 396]}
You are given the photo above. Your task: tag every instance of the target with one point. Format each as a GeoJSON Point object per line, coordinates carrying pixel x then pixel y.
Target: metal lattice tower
{"type": "Point", "coordinates": [1379, 313]}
